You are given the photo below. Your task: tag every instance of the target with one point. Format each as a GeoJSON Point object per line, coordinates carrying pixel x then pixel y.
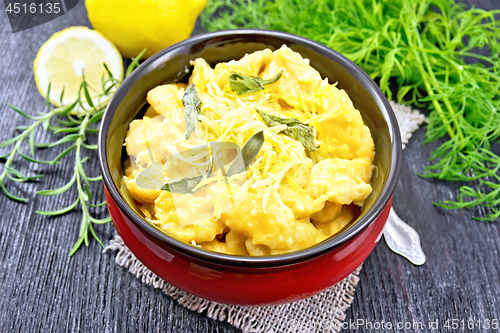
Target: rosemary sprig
{"type": "Point", "coordinates": [76, 122]}
{"type": "Point", "coordinates": [14, 174]}
{"type": "Point", "coordinates": [442, 56]}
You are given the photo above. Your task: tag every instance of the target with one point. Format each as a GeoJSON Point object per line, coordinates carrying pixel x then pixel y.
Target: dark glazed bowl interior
{"type": "Point", "coordinates": [173, 65]}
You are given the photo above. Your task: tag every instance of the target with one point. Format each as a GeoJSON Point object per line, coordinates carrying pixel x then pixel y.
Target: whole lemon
{"type": "Point", "coordinates": [133, 25]}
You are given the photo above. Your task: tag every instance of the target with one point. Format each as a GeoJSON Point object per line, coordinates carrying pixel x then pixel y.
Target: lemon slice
{"type": "Point", "coordinates": [70, 54]}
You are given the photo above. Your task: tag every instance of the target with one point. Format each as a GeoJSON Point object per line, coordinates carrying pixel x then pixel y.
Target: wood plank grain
{"type": "Point", "coordinates": [43, 290]}
{"type": "Point", "coordinates": [461, 277]}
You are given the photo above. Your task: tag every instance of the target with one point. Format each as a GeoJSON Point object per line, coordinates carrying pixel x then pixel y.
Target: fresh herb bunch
{"type": "Point", "coordinates": [75, 121]}
{"type": "Point", "coordinates": [442, 56]}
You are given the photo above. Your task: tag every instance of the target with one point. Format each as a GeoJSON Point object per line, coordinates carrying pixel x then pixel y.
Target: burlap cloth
{"type": "Point", "coordinates": [323, 312]}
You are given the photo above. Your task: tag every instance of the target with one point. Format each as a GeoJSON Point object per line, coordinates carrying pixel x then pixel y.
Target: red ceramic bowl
{"type": "Point", "coordinates": [242, 279]}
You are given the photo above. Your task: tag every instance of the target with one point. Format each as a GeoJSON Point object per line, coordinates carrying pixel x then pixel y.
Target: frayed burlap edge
{"type": "Point", "coordinates": [321, 313]}
{"type": "Point", "coordinates": [325, 311]}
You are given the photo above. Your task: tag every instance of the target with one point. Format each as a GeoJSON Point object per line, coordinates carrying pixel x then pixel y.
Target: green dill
{"type": "Point", "coordinates": [441, 55]}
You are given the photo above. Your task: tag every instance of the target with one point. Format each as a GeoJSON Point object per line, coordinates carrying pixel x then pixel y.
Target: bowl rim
{"type": "Point", "coordinates": [249, 261]}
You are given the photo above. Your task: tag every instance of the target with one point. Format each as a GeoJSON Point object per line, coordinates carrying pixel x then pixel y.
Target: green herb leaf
{"type": "Point", "coordinates": [90, 147]}
{"type": "Point", "coordinates": [92, 130]}
{"type": "Point", "coordinates": [87, 94]}
{"type": "Point", "coordinates": [16, 173]}
{"type": "Point", "coordinates": [63, 122]}
{"type": "Point", "coordinates": [108, 71]}
{"type": "Point", "coordinates": [12, 196]}
{"type": "Point", "coordinates": [59, 190]}
{"type": "Point", "coordinates": [100, 221]}
{"type": "Point", "coordinates": [244, 84]}
{"type": "Point", "coordinates": [87, 192]}
{"type": "Point", "coordinates": [97, 116]}
{"type": "Point", "coordinates": [62, 154]}
{"type": "Point", "coordinates": [296, 129]}
{"type": "Point", "coordinates": [98, 205]}
{"type": "Point", "coordinates": [192, 108]}
{"type": "Point", "coordinates": [94, 234]}
{"type": "Point", "coordinates": [34, 160]}
{"type": "Point", "coordinates": [95, 179]}
{"type": "Point", "coordinates": [21, 112]}
{"type": "Point", "coordinates": [64, 139]}
{"type": "Point", "coordinates": [66, 109]}
{"type": "Point", "coordinates": [31, 141]}
{"type": "Point", "coordinates": [47, 102]}
{"type": "Point", "coordinates": [46, 124]}
{"type": "Point", "coordinates": [61, 96]}
{"type": "Point", "coordinates": [76, 246]}
{"type": "Point", "coordinates": [134, 64]}
{"type": "Point", "coordinates": [184, 186]}
{"type": "Point", "coordinates": [59, 211]}
{"type": "Point", "coordinates": [42, 144]}
{"type": "Point", "coordinates": [10, 141]}
{"type": "Point", "coordinates": [64, 130]}
{"type": "Point", "coordinates": [248, 154]}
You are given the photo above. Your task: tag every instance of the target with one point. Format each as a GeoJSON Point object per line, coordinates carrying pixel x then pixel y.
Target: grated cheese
{"type": "Point", "coordinates": [285, 182]}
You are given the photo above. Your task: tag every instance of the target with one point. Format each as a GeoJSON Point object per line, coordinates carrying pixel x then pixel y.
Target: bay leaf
{"type": "Point", "coordinates": [248, 154]}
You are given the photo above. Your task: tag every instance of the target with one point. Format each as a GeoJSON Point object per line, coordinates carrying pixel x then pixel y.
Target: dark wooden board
{"type": "Point", "coordinates": [43, 290]}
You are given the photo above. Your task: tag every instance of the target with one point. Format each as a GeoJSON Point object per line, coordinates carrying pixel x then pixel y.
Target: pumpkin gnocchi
{"type": "Point", "coordinates": [300, 184]}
